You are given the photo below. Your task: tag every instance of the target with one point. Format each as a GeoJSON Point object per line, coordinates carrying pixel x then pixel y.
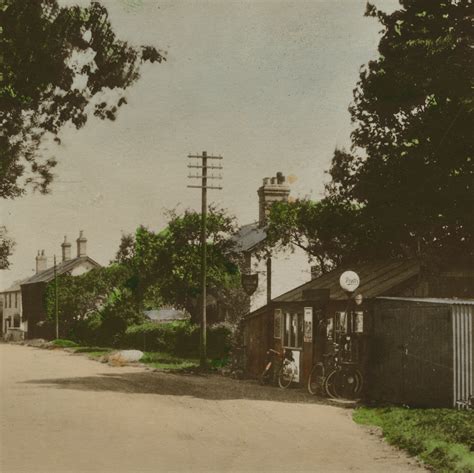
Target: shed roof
{"type": "Point", "coordinates": [65, 266]}
{"type": "Point", "coordinates": [376, 279]}
{"type": "Point", "coordinates": [249, 236]}
{"type": "Point", "coordinates": [166, 315]}
{"type": "Point", "coordinates": [431, 300]}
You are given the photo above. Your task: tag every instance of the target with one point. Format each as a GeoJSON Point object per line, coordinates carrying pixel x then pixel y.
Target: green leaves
{"type": "Point", "coordinates": [43, 48]}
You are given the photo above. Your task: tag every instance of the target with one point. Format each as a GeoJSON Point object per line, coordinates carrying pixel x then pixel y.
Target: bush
{"type": "Point", "coordinates": [180, 338]}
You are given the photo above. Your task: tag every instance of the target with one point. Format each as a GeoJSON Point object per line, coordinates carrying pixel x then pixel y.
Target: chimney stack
{"type": "Point", "coordinates": [81, 244]}
{"type": "Point", "coordinates": [41, 262]}
{"type": "Point", "coordinates": [66, 249]}
{"type": "Point", "coordinates": [274, 189]}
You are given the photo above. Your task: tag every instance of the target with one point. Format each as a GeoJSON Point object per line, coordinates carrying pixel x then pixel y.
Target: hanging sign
{"type": "Point", "coordinates": [308, 324]}
{"type": "Point", "coordinates": [250, 283]}
{"type": "Point", "coordinates": [349, 281]}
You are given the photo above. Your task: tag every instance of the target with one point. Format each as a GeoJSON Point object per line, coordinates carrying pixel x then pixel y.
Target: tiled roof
{"type": "Point", "coordinates": [61, 268]}
{"type": "Point", "coordinates": [15, 286]}
{"type": "Point", "coordinates": [249, 236]}
{"type": "Point", "coordinates": [431, 300]}
{"type": "Point", "coordinates": [376, 279]}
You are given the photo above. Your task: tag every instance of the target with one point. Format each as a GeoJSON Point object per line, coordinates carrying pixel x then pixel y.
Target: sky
{"type": "Point", "coordinates": [264, 83]}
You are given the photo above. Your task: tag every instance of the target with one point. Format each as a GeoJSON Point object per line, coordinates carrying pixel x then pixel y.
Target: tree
{"type": "Point", "coordinates": [412, 164]}
{"type": "Point", "coordinates": [406, 187]}
{"type": "Point", "coordinates": [6, 247]}
{"type": "Point", "coordinates": [93, 307]}
{"type": "Point", "coordinates": [329, 231]}
{"type": "Point", "coordinates": [57, 65]}
{"type": "Point", "coordinates": [169, 262]}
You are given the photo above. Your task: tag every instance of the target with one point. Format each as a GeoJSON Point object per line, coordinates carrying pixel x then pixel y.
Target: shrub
{"type": "Point", "coordinates": [180, 338]}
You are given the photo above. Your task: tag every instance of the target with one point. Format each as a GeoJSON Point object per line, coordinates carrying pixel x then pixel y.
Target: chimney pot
{"type": "Point", "coordinates": [273, 190]}
{"type": "Point", "coordinates": [41, 262]}
{"type": "Point", "coordinates": [66, 249]}
{"type": "Point", "coordinates": [81, 244]}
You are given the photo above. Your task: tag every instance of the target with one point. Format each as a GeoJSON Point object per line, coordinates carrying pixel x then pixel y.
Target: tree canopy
{"type": "Point", "coordinates": [57, 63]}
{"type": "Point", "coordinates": [168, 263]}
{"type": "Point", "coordinates": [408, 179]}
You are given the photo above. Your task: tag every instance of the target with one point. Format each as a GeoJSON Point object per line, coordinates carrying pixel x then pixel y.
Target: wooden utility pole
{"type": "Point", "coordinates": [204, 167]}
{"type": "Point", "coordinates": [56, 299]}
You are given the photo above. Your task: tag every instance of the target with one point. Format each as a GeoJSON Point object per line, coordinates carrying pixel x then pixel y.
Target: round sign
{"type": "Point", "coordinates": [349, 281]}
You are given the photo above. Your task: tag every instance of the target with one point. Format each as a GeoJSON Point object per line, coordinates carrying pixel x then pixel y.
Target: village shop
{"type": "Point", "coordinates": [392, 339]}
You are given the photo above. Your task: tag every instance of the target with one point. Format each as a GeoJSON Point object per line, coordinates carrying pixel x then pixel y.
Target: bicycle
{"type": "Point", "coordinates": [344, 381]}
{"type": "Point", "coordinates": [286, 372]}
{"type": "Point", "coordinates": [268, 373]}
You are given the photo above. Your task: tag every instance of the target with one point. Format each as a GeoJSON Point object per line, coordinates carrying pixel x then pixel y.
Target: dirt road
{"type": "Point", "coordinates": [64, 413]}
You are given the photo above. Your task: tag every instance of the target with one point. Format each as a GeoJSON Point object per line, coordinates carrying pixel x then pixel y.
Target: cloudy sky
{"type": "Point", "coordinates": [264, 83]}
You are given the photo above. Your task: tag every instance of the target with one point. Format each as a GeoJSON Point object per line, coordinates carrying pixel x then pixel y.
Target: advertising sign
{"type": "Point", "coordinates": [349, 281]}
{"type": "Point", "coordinates": [308, 325]}
{"type": "Point", "coordinates": [250, 283]}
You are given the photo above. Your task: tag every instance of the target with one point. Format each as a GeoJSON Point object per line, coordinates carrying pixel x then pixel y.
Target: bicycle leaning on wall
{"type": "Point", "coordinates": [338, 374]}
{"type": "Point", "coordinates": [280, 368]}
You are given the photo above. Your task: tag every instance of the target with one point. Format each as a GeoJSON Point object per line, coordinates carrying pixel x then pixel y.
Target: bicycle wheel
{"type": "Point", "coordinates": [286, 375]}
{"type": "Point", "coordinates": [346, 383]}
{"type": "Point", "coordinates": [316, 380]}
{"type": "Point", "coordinates": [329, 384]}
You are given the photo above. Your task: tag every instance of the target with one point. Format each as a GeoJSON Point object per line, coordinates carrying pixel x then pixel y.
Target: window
{"type": "Point", "coordinates": [293, 330]}
{"type": "Point", "coordinates": [9, 299]}
{"type": "Point", "coordinates": [16, 300]}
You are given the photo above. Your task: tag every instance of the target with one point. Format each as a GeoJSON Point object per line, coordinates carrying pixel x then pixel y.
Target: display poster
{"type": "Point", "coordinates": [358, 322]}
{"type": "Point", "coordinates": [308, 324]}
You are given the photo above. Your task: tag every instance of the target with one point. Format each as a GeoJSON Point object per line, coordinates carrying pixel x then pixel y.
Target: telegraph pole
{"type": "Point", "coordinates": [56, 298]}
{"type": "Point", "coordinates": [204, 167]}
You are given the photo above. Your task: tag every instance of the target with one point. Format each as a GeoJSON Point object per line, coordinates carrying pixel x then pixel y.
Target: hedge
{"type": "Point", "coordinates": [180, 338]}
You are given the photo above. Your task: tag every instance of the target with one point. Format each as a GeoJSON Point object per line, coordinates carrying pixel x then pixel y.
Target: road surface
{"type": "Point", "coordinates": [64, 413]}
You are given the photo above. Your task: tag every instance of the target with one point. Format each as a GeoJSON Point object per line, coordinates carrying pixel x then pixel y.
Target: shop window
{"type": "Point", "coordinates": [293, 330]}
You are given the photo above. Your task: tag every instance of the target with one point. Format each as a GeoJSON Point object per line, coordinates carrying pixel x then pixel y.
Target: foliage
{"type": "Point", "coordinates": [94, 307]}
{"type": "Point", "coordinates": [75, 65]}
{"type": "Point", "coordinates": [442, 438]}
{"type": "Point", "coordinates": [167, 265]}
{"type": "Point", "coordinates": [328, 230]}
{"type": "Point", "coordinates": [179, 338]}
{"type": "Point", "coordinates": [6, 247]}
{"type": "Point", "coordinates": [57, 65]}
{"type": "Point", "coordinates": [406, 187]}
{"type": "Point", "coordinates": [412, 167]}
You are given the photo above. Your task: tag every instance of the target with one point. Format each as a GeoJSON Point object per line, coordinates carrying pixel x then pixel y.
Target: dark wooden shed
{"type": "Point", "coordinates": [307, 322]}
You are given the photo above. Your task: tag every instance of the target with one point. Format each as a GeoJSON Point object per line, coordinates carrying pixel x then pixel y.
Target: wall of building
{"type": "Point", "coordinates": [12, 310]}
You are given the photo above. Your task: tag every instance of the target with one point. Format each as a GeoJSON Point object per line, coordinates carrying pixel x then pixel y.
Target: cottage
{"type": "Point", "coordinates": [312, 319]}
{"type": "Point", "coordinates": [13, 324]}
{"type": "Point", "coordinates": [33, 290]}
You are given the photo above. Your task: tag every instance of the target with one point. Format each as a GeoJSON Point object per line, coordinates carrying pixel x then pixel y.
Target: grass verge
{"type": "Point", "coordinates": [166, 361]}
{"type": "Point", "coordinates": [59, 342]}
{"type": "Point", "coordinates": [441, 438]}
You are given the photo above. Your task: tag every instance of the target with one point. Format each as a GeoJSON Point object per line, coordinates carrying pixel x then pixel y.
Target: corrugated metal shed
{"type": "Point", "coordinates": [377, 278]}
{"type": "Point", "coordinates": [61, 268]}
